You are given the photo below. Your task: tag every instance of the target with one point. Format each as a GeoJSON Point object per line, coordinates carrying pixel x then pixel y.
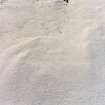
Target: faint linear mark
{"type": "Point", "coordinates": [3, 1]}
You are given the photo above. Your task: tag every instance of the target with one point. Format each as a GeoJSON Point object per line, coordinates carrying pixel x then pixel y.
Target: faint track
{"type": "Point", "coordinates": [3, 1]}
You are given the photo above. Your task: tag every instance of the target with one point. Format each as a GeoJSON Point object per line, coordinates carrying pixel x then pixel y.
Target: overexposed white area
{"type": "Point", "coordinates": [52, 53]}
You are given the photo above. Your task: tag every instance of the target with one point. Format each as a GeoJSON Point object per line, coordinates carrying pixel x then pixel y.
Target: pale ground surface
{"type": "Point", "coordinates": [52, 54]}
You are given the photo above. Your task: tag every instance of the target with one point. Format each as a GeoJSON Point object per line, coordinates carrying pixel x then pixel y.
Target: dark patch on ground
{"type": "Point", "coordinates": [66, 1]}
